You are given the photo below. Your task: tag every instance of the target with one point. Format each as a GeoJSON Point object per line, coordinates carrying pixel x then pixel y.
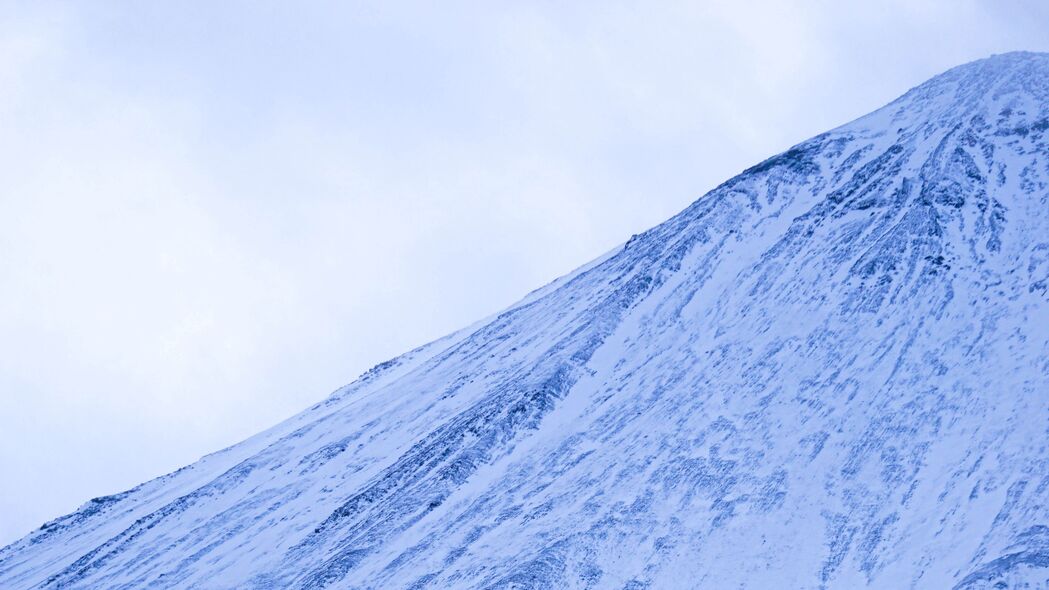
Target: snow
{"type": "Point", "coordinates": [829, 372]}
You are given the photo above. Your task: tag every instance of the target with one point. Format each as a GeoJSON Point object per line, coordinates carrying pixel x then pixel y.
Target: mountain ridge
{"type": "Point", "coordinates": [793, 382]}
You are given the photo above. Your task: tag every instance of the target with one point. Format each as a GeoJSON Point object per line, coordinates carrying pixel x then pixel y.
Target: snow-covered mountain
{"type": "Point", "coordinates": [830, 371]}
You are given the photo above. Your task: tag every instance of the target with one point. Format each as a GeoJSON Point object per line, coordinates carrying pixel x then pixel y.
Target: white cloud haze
{"type": "Point", "coordinates": [213, 214]}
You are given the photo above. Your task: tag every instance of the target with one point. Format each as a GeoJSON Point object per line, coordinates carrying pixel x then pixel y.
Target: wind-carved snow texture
{"type": "Point", "coordinates": [829, 372]}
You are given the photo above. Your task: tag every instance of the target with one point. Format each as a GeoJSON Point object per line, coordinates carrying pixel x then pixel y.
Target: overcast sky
{"type": "Point", "coordinates": [214, 213]}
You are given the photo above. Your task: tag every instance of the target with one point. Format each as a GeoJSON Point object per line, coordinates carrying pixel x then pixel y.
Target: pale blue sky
{"type": "Point", "coordinates": [213, 214]}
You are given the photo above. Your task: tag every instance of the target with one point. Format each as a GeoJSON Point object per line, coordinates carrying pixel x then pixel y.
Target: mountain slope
{"type": "Point", "coordinates": [830, 371]}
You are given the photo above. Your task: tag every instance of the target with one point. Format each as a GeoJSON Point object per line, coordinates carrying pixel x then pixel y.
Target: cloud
{"type": "Point", "coordinates": [214, 214]}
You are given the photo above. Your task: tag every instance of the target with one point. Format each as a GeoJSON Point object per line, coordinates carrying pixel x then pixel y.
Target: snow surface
{"type": "Point", "coordinates": [832, 371]}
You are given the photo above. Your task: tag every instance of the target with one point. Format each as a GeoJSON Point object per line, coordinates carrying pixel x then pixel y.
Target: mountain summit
{"type": "Point", "coordinates": [832, 371]}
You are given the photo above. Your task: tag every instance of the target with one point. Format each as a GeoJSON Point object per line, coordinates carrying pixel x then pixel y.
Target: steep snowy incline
{"type": "Point", "coordinates": [832, 371]}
